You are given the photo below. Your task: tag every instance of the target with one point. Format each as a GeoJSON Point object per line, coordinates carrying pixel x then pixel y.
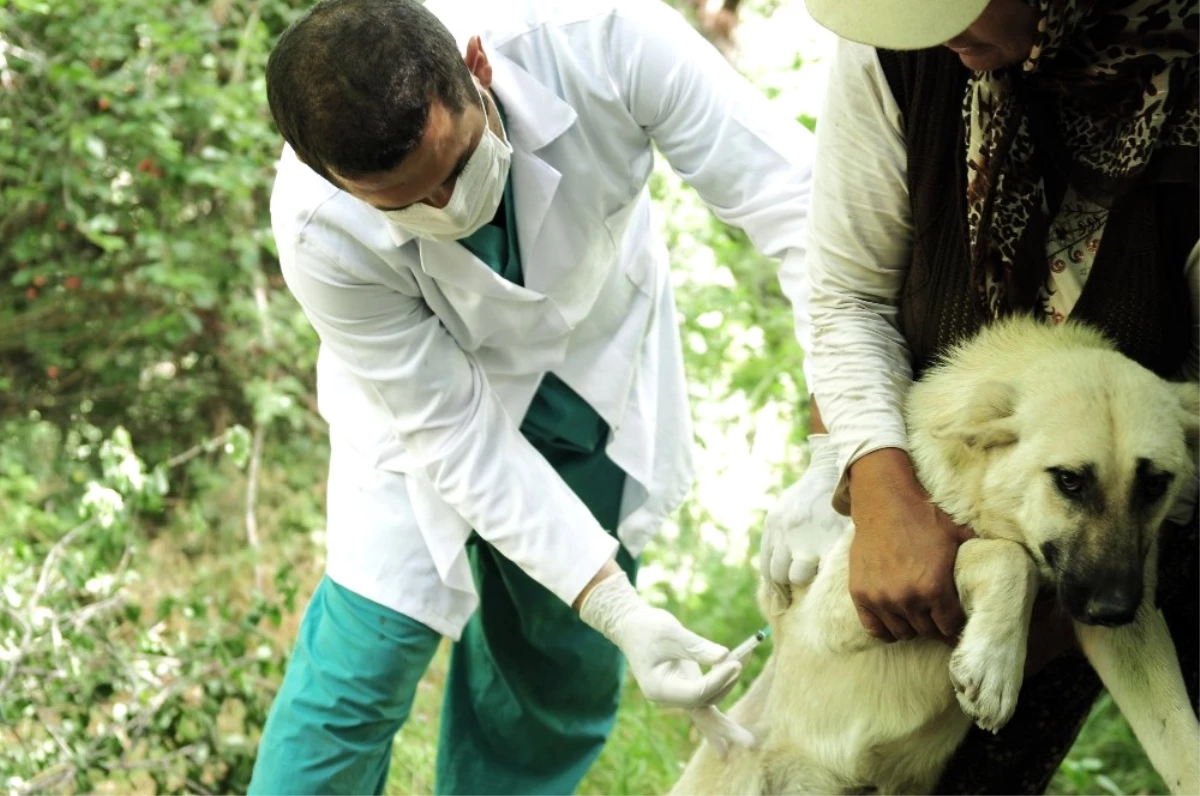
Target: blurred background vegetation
{"type": "Point", "coordinates": [162, 464]}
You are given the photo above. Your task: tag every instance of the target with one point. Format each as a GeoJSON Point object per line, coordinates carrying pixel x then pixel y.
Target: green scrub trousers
{"type": "Point", "coordinates": [532, 692]}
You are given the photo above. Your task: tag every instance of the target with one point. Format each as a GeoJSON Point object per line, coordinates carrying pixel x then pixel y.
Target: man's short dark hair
{"type": "Point", "coordinates": [350, 83]}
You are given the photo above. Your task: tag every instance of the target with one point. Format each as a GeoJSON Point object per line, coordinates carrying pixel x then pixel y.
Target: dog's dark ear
{"type": "Point", "coordinates": [1188, 393]}
{"type": "Point", "coordinates": [985, 418]}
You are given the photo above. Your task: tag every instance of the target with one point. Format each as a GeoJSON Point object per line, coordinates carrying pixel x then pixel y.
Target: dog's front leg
{"type": "Point", "coordinates": [997, 583]}
{"type": "Point", "coordinates": [1138, 665]}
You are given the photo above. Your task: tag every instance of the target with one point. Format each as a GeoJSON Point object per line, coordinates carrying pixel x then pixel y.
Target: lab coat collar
{"type": "Point", "coordinates": [536, 115]}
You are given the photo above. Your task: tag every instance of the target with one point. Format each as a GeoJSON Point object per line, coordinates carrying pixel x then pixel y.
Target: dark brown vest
{"type": "Point", "coordinates": [1135, 292]}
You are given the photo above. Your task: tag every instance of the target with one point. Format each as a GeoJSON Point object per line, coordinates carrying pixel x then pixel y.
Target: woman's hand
{"type": "Point", "coordinates": [902, 556]}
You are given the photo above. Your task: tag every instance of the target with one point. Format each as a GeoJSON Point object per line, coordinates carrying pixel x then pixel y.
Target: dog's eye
{"type": "Point", "coordinates": [1155, 486]}
{"type": "Point", "coordinates": [1069, 483]}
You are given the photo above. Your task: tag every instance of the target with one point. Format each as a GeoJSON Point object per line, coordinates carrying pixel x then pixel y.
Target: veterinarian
{"type": "Point", "coordinates": [462, 212]}
{"type": "Point", "coordinates": [977, 159]}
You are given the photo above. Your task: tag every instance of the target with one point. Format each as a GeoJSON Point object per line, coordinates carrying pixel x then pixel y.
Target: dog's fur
{"type": "Point", "coordinates": [992, 428]}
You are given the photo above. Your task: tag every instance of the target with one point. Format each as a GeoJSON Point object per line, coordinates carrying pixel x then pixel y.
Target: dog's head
{"type": "Point", "coordinates": [1079, 455]}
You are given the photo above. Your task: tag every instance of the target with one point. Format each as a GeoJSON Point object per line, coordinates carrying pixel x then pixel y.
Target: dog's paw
{"type": "Point", "coordinates": [987, 675]}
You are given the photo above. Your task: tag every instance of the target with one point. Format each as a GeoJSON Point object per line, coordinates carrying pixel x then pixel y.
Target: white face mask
{"type": "Point", "coordinates": [476, 197]}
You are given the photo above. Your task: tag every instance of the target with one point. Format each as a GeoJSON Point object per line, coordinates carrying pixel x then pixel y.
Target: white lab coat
{"type": "Point", "coordinates": [429, 359]}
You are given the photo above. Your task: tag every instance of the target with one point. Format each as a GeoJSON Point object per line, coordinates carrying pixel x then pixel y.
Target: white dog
{"type": "Point", "coordinates": [1064, 456]}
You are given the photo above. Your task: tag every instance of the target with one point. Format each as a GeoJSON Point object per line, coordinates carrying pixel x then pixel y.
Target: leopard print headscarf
{"type": "Point", "coordinates": [1122, 75]}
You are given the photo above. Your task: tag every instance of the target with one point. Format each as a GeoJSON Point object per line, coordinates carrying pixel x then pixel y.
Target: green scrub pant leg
{"type": "Point", "coordinates": [532, 692]}
{"type": "Point", "coordinates": [348, 688]}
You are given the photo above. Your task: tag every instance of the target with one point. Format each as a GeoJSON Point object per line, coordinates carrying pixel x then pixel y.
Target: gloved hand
{"type": "Point", "coordinates": [802, 526]}
{"type": "Point", "coordinates": [664, 656]}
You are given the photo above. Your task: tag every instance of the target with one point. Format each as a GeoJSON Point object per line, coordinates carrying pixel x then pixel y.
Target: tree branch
{"type": "Point", "coordinates": [194, 451]}
{"type": "Point", "coordinates": [43, 584]}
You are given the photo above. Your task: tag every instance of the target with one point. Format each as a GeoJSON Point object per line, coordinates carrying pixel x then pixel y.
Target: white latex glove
{"type": "Point", "coordinates": [722, 732]}
{"type": "Point", "coordinates": [664, 656]}
{"type": "Point", "coordinates": [803, 526]}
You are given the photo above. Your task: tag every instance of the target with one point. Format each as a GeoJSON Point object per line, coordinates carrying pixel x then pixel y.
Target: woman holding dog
{"type": "Point", "coordinates": [977, 159]}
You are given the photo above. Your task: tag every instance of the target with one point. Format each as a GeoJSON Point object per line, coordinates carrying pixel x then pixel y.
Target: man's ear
{"type": "Point", "coordinates": [477, 61]}
{"type": "Point", "coordinates": [1188, 393]}
{"type": "Point", "coordinates": [985, 418]}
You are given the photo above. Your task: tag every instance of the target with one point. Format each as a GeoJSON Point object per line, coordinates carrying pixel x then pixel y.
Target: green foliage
{"type": "Point", "coordinates": [135, 167]}
{"type": "Point", "coordinates": [1107, 758]}
{"type": "Point", "coordinates": [99, 684]}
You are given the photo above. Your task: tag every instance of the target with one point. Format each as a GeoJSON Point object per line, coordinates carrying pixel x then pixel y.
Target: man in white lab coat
{"type": "Point", "coordinates": [462, 212]}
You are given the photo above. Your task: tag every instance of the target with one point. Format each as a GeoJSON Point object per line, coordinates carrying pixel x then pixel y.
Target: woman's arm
{"type": "Point", "coordinates": [857, 363]}
{"type": "Point", "coordinates": [859, 366]}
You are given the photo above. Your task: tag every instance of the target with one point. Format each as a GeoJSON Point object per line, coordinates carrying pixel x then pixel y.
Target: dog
{"type": "Point", "coordinates": [1065, 457]}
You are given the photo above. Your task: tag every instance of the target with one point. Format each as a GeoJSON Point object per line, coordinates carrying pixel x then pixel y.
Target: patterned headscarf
{"type": "Point", "coordinates": [1121, 76]}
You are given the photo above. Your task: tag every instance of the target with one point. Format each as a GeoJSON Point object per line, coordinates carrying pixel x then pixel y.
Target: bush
{"type": "Point", "coordinates": [136, 158]}
{"type": "Point", "coordinates": [137, 163]}
{"type": "Point", "coordinates": [91, 690]}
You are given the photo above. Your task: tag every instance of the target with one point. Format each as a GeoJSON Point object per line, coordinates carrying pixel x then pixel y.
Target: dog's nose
{"type": "Point", "coordinates": [1113, 606]}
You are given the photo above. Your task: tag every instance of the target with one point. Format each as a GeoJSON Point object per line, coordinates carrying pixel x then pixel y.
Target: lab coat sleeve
{"type": "Point", "coordinates": [859, 250]}
{"type": "Point", "coordinates": [749, 162]}
{"type": "Point", "coordinates": [452, 425]}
